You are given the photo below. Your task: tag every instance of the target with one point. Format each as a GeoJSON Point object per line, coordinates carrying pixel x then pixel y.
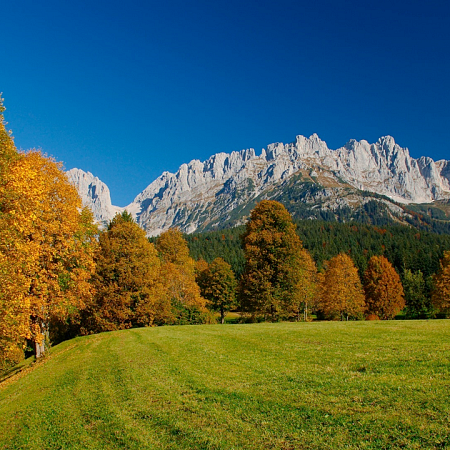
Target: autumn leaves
{"type": "Point", "coordinates": [60, 276]}
{"type": "Point", "coordinates": [280, 279]}
{"type": "Point", "coordinates": [46, 249]}
{"type": "Point", "coordinates": [136, 284]}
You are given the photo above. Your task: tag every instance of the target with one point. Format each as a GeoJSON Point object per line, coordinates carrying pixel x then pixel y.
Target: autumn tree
{"type": "Point", "coordinates": [65, 241]}
{"type": "Point", "coordinates": [342, 295]}
{"type": "Point", "coordinates": [383, 289]}
{"type": "Point", "coordinates": [218, 285]}
{"type": "Point", "coordinates": [178, 277]}
{"type": "Point", "coordinates": [441, 290]}
{"type": "Point", "coordinates": [14, 304]}
{"type": "Point", "coordinates": [127, 283]}
{"type": "Point", "coordinates": [46, 248]}
{"type": "Point", "coordinates": [305, 298]}
{"type": "Point", "coordinates": [271, 248]}
{"type": "Point", "coordinates": [200, 266]}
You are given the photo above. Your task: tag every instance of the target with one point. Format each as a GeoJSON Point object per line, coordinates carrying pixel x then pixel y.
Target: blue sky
{"type": "Point", "coordinates": [127, 90]}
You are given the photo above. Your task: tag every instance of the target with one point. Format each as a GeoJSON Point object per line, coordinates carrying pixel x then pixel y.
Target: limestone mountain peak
{"type": "Point", "coordinates": [212, 192]}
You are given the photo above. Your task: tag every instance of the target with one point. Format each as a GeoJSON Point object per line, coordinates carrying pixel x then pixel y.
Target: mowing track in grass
{"type": "Point", "coordinates": [328, 385]}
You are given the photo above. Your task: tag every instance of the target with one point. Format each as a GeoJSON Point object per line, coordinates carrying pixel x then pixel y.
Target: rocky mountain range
{"type": "Point", "coordinates": [312, 181]}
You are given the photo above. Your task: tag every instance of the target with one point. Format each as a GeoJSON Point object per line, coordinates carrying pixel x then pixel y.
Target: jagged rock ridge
{"type": "Point", "coordinates": [205, 195]}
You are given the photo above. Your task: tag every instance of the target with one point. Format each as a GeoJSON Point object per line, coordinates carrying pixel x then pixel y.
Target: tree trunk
{"type": "Point", "coordinates": [39, 349]}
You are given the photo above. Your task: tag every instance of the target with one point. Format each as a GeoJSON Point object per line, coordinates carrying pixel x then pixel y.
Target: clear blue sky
{"type": "Point", "coordinates": [127, 90]}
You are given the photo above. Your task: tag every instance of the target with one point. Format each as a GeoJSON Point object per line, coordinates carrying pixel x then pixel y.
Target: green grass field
{"type": "Point", "coordinates": [326, 385]}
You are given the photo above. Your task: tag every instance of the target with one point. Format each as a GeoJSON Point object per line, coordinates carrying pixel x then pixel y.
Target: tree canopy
{"type": "Point", "coordinates": [342, 295]}
{"type": "Point", "coordinates": [271, 248]}
{"type": "Point", "coordinates": [383, 288]}
{"type": "Point", "coordinates": [218, 285]}
{"type": "Point", "coordinates": [441, 291]}
{"type": "Point", "coordinates": [305, 299]}
{"type": "Point", "coordinates": [46, 250]}
{"type": "Point", "coordinates": [127, 280]}
{"type": "Point", "coordinates": [178, 278]}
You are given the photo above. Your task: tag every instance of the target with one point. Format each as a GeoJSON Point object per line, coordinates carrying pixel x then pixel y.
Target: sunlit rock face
{"type": "Point", "coordinates": [94, 193]}
{"type": "Point", "coordinates": [210, 193]}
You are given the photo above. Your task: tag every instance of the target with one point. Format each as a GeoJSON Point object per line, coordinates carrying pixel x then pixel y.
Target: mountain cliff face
{"type": "Point", "coordinates": [222, 190]}
{"type": "Point", "coordinates": [94, 193]}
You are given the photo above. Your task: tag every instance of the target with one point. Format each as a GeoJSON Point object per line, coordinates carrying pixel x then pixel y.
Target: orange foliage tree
{"type": "Point", "coordinates": [271, 247]}
{"type": "Point", "coordinates": [14, 304]}
{"type": "Point", "coordinates": [178, 277]}
{"type": "Point", "coordinates": [128, 288]}
{"type": "Point", "coordinates": [441, 291]}
{"type": "Point", "coordinates": [342, 295]}
{"type": "Point", "coordinates": [218, 285]}
{"type": "Point", "coordinates": [46, 248]}
{"type": "Point", "coordinates": [383, 288]}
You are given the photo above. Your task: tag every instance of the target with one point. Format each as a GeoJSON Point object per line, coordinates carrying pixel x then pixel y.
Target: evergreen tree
{"type": "Point", "coordinates": [271, 249]}
{"type": "Point", "coordinates": [383, 288]}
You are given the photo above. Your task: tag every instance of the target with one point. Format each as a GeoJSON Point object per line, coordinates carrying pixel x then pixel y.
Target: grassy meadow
{"type": "Point", "coordinates": [325, 385]}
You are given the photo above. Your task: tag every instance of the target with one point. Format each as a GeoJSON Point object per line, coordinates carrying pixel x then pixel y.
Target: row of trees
{"type": "Point", "coordinates": [280, 279]}
{"type": "Point", "coordinates": [404, 246]}
{"type": "Point", "coordinates": [60, 276]}
{"type": "Point", "coordinates": [139, 284]}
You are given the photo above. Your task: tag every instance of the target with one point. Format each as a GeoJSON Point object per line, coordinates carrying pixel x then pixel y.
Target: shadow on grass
{"type": "Point", "coordinates": [16, 370]}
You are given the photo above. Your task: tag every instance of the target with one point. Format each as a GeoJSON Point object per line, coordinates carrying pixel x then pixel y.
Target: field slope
{"type": "Point", "coordinates": [355, 385]}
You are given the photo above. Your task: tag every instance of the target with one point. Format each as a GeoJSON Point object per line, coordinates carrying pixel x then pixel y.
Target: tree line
{"type": "Point", "coordinates": [405, 247]}
{"type": "Point", "coordinates": [281, 280]}
{"type": "Point", "coordinates": [61, 277]}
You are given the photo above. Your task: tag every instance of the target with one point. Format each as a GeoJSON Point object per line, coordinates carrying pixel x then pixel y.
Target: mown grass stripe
{"type": "Point", "coordinates": [349, 385]}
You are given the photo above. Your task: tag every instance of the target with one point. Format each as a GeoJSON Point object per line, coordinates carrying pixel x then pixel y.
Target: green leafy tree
{"type": "Point", "coordinates": [342, 295]}
{"type": "Point", "coordinates": [441, 291]}
{"type": "Point", "coordinates": [218, 285]}
{"type": "Point", "coordinates": [271, 248]}
{"type": "Point", "coordinates": [418, 303]}
{"type": "Point", "coordinates": [383, 288]}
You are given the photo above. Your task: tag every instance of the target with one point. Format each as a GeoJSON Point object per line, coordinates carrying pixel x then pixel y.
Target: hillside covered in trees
{"type": "Point", "coordinates": [405, 246]}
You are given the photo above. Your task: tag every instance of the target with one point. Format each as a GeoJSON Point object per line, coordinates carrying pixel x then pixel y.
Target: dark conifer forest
{"type": "Point", "coordinates": [404, 246]}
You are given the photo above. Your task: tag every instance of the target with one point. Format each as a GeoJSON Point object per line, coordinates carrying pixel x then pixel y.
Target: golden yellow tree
{"type": "Point", "coordinates": [46, 247]}
{"type": "Point", "coordinates": [127, 283]}
{"type": "Point", "coordinates": [178, 276]}
{"type": "Point", "coordinates": [305, 298]}
{"type": "Point", "coordinates": [383, 289]}
{"type": "Point", "coordinates": [441, 292]}
{"type": "Point", "coordinates": [342, 295]}
{"type": "Point", "coordinates": [200, 266]}
{"type": "Point", "coordinates": [14, 306]}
